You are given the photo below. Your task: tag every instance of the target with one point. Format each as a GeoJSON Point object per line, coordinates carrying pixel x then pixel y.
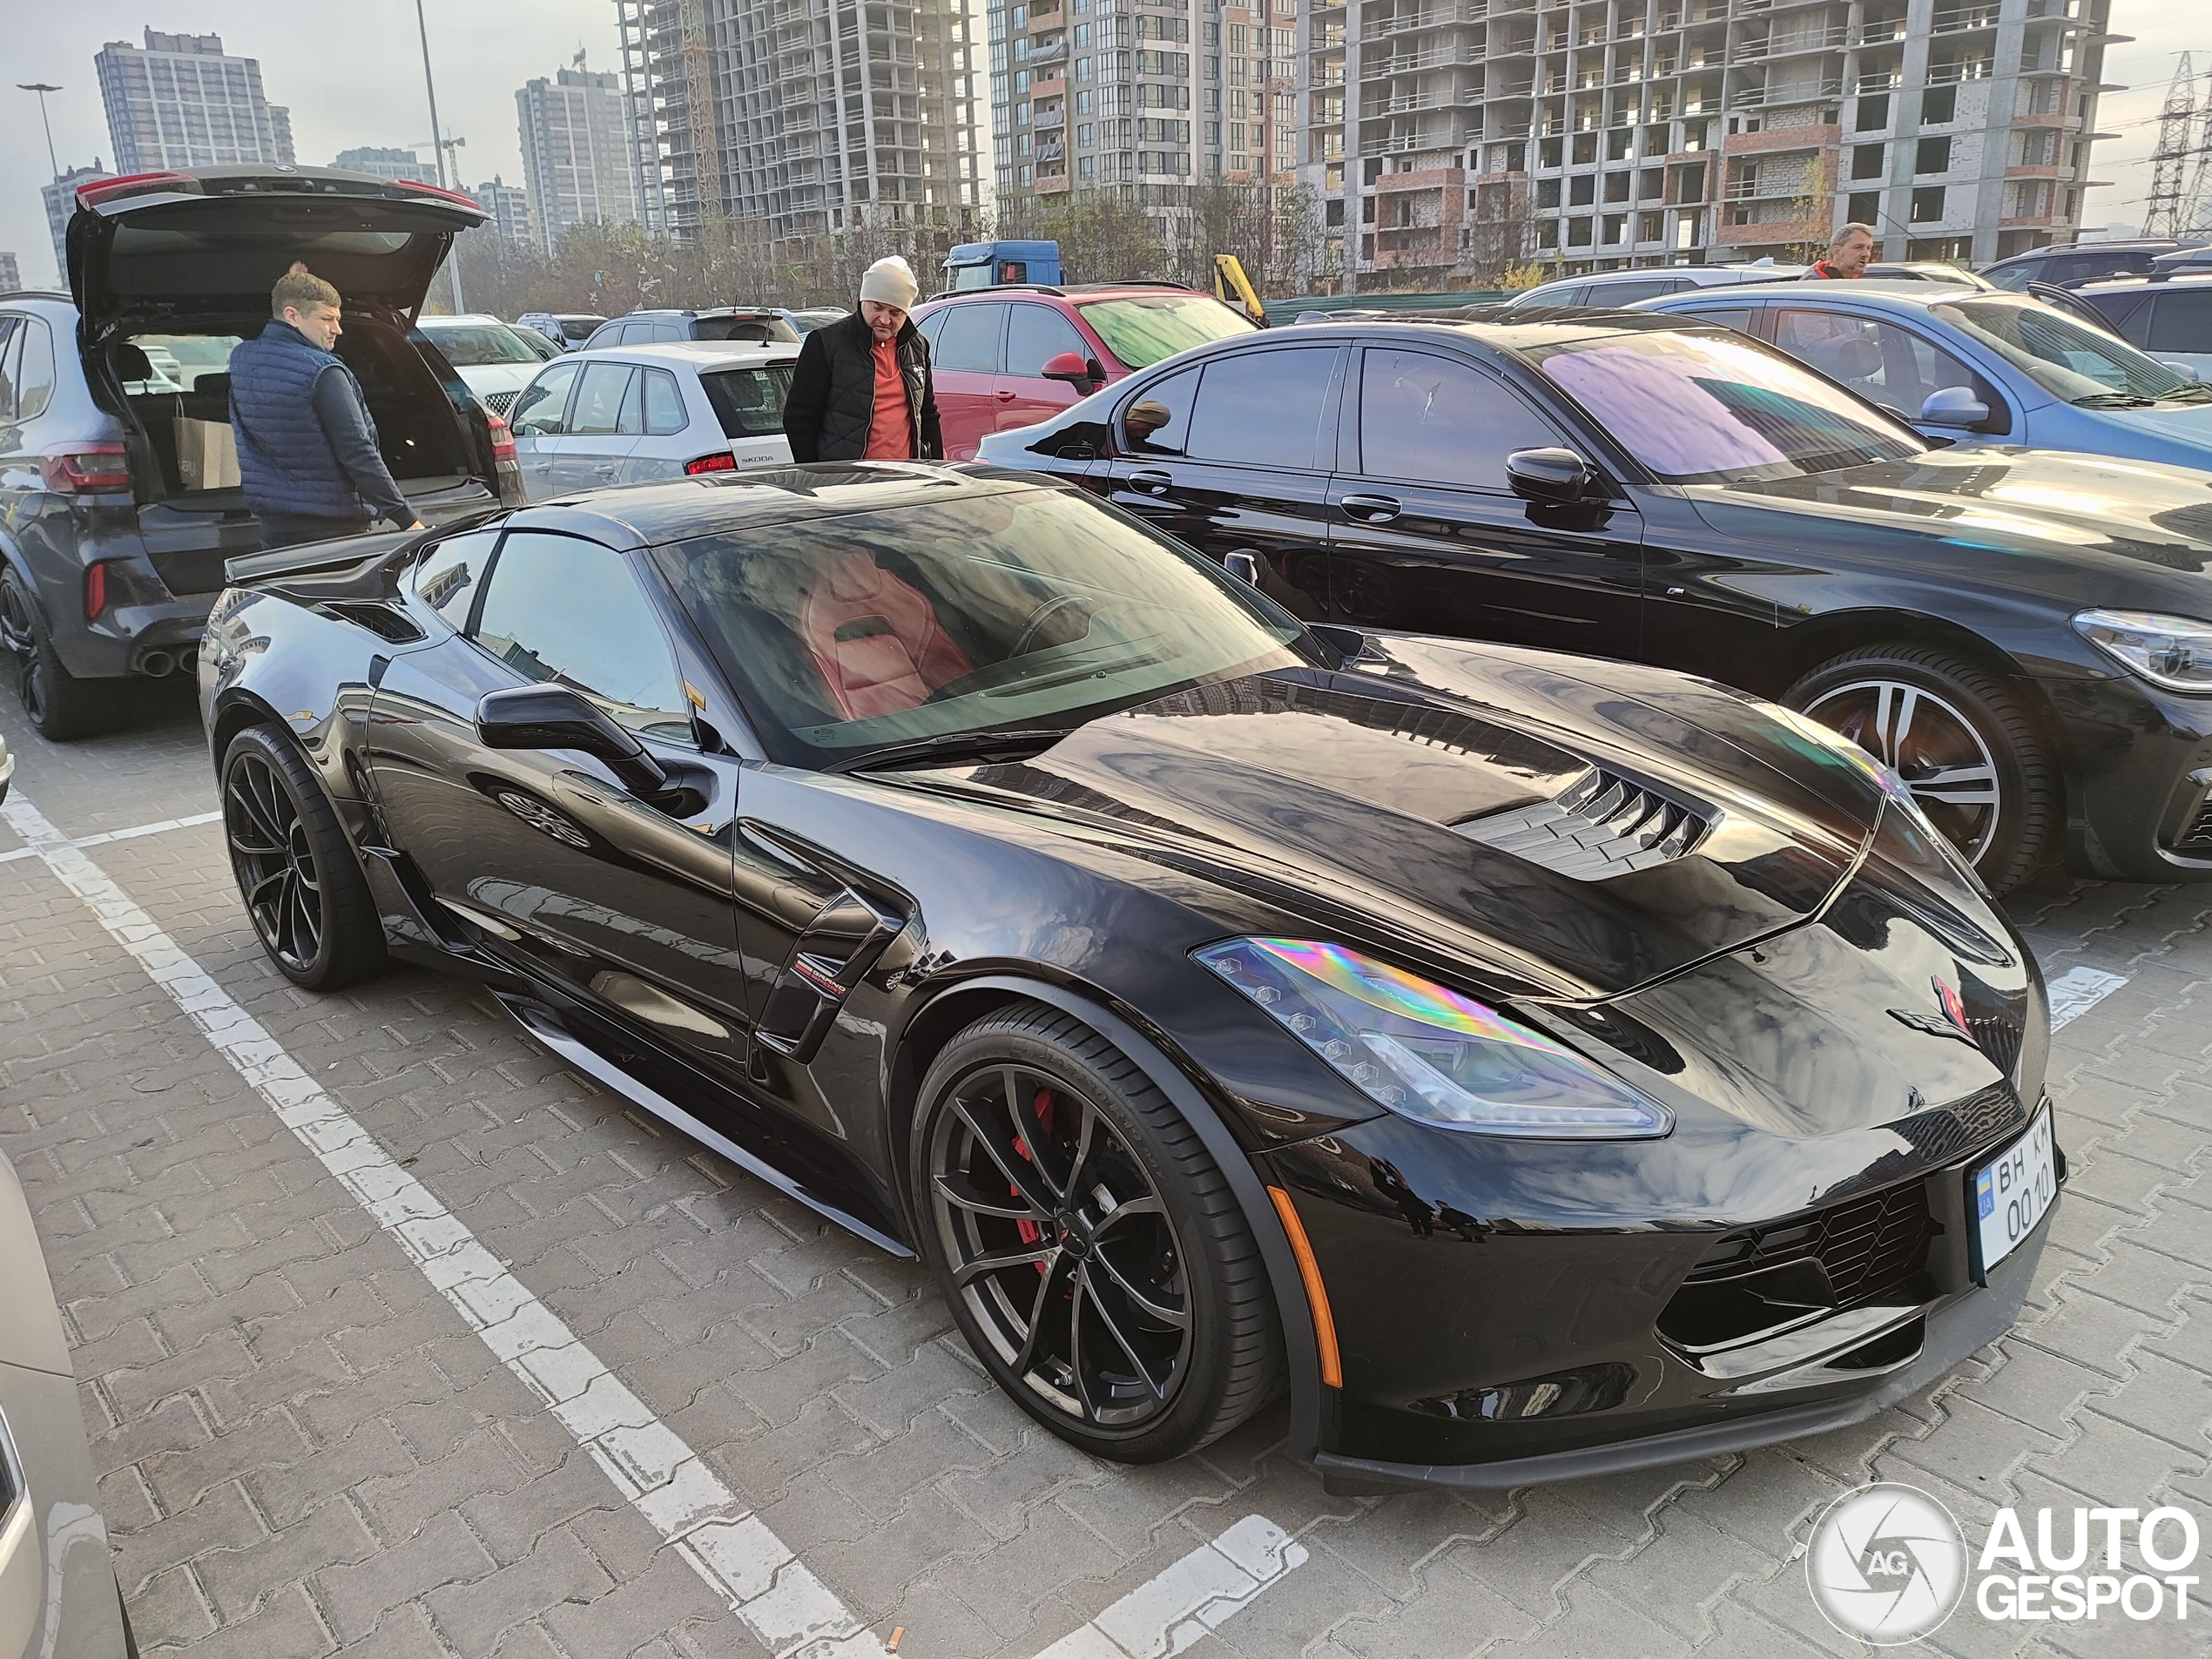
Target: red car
{"type": "Point", "coordinates": [1011, 356]}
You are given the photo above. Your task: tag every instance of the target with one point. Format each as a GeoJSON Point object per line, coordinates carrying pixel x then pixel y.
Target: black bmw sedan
{"type": "Point", "coordinates": [2024, 637]}
{"type": "Point", "coordinates": [1539, 1066]}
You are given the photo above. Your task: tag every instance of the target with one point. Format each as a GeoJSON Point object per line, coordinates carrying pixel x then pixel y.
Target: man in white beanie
{"type": "Point", "coordinates": [861, 389]}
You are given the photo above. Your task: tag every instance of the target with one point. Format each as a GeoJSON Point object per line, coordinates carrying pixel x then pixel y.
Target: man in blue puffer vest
{"type": "Point", "coordinates": [307, 448]}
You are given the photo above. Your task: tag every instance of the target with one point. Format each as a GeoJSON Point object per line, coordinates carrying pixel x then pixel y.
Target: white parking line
{"type": "Point", "coordinates": [1169, 1613]}
{"type": "Point", "coordinates": [131, 834]}
{"type": "Point", "coordinates": [2078, 990]}
{"type": "Point", "coordinates": [788, 1610]}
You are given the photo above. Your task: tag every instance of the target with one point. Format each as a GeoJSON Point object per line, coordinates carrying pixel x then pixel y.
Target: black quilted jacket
{"type": "Point", "coordinates": [832, 392]}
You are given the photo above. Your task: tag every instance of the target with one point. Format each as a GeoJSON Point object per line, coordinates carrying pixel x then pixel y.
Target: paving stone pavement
{"type": "Point", "coordinates": [304, 1450]}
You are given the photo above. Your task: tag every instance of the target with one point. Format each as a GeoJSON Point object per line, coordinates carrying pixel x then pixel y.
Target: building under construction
{"type": "Point", "coordinates": [1592, 134]}
{"type": "Point", "coordinates": [809, 116]}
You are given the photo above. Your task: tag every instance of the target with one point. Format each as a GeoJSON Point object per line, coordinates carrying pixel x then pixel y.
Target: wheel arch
{"type": "Point", "coordinates": [961, 1005]}
{"type": "Point", "coordinates": [236, 710]}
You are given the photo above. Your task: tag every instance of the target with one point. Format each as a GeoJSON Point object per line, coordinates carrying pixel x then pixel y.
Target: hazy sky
{"type": "Point", "coordinates": [352, 74]}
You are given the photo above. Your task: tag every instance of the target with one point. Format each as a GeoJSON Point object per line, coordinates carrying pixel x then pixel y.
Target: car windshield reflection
{"type": "Point", "coordinates": [1698, 410]}
{"type": "Point", "coordinates": [2070, 359]}
{"type": "Point", "coordinates": [1020, 609]}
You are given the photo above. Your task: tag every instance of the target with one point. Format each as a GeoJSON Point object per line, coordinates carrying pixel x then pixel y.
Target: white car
{"type": "Point", "coordinates": [634, 414]}
{"type": "Point", "coordinates": [494, 358]}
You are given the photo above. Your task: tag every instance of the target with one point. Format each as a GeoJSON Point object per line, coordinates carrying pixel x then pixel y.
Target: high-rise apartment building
{"type": "Point", "coordinates": [388, 163]}
{"type": "Point", "coordinates": [808, 115]}
{"type": "Point", "coordinates": [181, 101]}
{"type": "Point", "coordinates": [1451, 133]}
{"type": "Point", "coordinates": [10, 273]}
{"type": "Point", "coordinates": [1149, 97]}
{"type": "Point", "coordinates": [61, 202]}
{"type": "Point", "coordinates": [510, 207]}
{"type": "Point", "coordinates": [579, 164]}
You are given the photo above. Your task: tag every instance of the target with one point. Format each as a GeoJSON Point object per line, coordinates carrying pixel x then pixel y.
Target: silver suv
{"type": "Point", "coordinates": [119, 496]}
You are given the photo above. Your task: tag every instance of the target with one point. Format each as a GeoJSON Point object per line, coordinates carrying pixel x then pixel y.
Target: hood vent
{"type": "Point", "coordinates": [1599, 826]}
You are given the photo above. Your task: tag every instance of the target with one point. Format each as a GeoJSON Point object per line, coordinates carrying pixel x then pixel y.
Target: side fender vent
{"type": "Point", "coordinates": [1599, 826]}
{"type": "Point", "coordinates": [381, 620]}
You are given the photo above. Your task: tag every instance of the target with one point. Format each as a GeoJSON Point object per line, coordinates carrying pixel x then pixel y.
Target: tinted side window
{"type": "Point", "coordinates": [1262, 408]}
{"type": "Point", "coordinates": [539, 409]}
{"type": "Point", "coordinates": [1626, 293]}
{"type": "Point", "coordinates": [1158, 423]}
{"type": "Point", "coordinates": [970, 339]}
{"type": "Point", "coordinates": [2129, 312]}
{"type": "Point", "coordinates": [34, 370]}
{"type": "Point", "coordinates": [600, 400]}
{"type": "Point", "coordinates": [1432, 421]}
{"type": "Point", "coordinates": [448, 577]}
{"type": "Point", "coordinates": [563, 609]}
{"type": "Point", "coordinates": [664, 404]}
{"type": "Point", "coordinates": [1736, 317]}
{"type": "Point", "coordinates": [1036, 334]}
{"type": "Point", "coordinates": [11, 344]}
{"type": "Point", "coordinates": [2181, 322]}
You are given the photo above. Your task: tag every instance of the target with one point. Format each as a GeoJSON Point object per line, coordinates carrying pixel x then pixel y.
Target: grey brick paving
{"type": "Point", "coordinates": [303, 1450]}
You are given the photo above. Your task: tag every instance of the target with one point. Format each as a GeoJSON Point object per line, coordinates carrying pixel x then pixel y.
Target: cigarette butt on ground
{"type": "Point", "coordinates": [892, 1646]}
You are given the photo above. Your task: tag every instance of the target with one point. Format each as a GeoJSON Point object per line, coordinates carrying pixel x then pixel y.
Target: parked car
{"type": "Point", "coordinates": [1999, 367]}
{"type": "Point", "coordinates": [59, 1595]}
{"type": "Point", "coordinates": [118, 483]}
{"type": "Point", "coordinates": [1007, 356]}
{"type": "Point", "coordinates": [1629, 287]}
{"type": "Point", "coordinates": [2079, 262]}
{"type": "Point", "coordinates": [815, 317]}
{"type": "Point", "coordinates": [644, 412]}
{"type": "Point", "coordinates": [495, 358]}
{"type": "Point", "coordinates": [2169, 318]}
{"type": "Point", "coordinates": [2024, 634]}
{"type": "Point", "coordinates": [760, 324]}
{"type": "Point", "coordinates": [567, 329]}
{"type": "Point", "coordinates": [1209, 1001]}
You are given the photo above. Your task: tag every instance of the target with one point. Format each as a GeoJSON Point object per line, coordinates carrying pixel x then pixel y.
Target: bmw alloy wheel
{"type": "Point", "coordinates": [1932, 745]}
{"type": "Point", "coordinates": [1061, 1246]}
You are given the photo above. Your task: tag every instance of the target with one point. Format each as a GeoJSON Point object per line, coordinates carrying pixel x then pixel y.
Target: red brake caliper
{"type": "Point", "coordinates": [1029, 1232]}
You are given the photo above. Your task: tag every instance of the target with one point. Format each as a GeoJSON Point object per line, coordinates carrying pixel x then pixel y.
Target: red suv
{"type": "Point", "coordinates": [1009, 357]}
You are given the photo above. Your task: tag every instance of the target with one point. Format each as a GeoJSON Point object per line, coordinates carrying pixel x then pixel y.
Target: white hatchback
{"type": "Point", "coordinates": [636, 413]}
{"type": "Point", "coordinates": [494, 359]}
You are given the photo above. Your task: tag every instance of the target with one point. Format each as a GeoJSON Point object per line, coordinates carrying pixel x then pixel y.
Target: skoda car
{"type": "Point", "coordinates": [2024, 636]}
{"type": "Point", "coordinates": [1536, 1065]}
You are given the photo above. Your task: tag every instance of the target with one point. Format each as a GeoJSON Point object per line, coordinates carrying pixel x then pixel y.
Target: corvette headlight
{"type": "Point", "coordinates": [1428, 1053]}
{"type": "Point", "coordinates": [2172, 651]}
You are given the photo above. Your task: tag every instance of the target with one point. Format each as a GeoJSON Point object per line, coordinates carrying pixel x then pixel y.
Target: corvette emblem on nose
{"type": "Point", "coordinates": [1951, 1022]}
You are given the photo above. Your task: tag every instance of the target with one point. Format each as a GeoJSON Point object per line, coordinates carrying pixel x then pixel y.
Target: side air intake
{"type": "Point", "coordinates": [1599, 826]}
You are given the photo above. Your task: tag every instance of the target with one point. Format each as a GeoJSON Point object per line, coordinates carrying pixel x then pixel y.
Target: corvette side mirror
{"type": "Point", "coordinates": [1953, 406]}
{"type": "Point", "coordinates": [553, 716]}
{"type": "Point", "coordinates": [1550, 477]}
{"type": "Point", "coordinates": [1073, 368]}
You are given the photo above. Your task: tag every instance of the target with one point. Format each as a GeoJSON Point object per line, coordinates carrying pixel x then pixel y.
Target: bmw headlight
{"type": "Point", "coordinates": [2172, 651]}
{"type": "Point", "coordinates": [1428, 1053]}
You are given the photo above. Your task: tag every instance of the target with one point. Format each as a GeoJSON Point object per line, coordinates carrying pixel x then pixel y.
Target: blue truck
{"type": "Point", "coordinates": [990, 265]}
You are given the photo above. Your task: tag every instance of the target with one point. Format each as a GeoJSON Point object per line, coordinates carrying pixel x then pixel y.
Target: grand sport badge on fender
{"type": "Point", "coordinates": [1483, 1045]}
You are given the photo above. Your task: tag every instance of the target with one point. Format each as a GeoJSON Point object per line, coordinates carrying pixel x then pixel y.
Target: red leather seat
{"type": "Point", "coordinates": [875, 640]}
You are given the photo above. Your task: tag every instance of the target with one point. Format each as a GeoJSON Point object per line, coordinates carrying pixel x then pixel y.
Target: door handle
{"type": "Point", "coordinates": [1152, 482]}
{"type": "Point", "coordinates": [1375, 509]}
{"type": "Point", "coordinates": [1004, 397]}
{"type": "Point", "coordinates": [606, 470]}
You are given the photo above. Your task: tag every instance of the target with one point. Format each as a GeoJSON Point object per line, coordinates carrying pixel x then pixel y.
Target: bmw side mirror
{"type": "Point", "coordinates": [1073, 368]}
{"type": "Point", "coordinates": [1953, 406]}
{"type": "Point", "coordinates": [1243, 565]}
{"type": "Point", "coordinates": [553, 716]}
{"type": "Point", "coordinates": [1550, 477]}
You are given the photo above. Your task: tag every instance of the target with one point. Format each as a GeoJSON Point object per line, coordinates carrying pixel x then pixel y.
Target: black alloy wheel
{"type": "Point", "coordinates": [303, 887]}
{"type": "Point", "coordinates": [59, 706]}
{"type": "Point", "coordinates": [1960, 739]}
{"type": "Point", "coordinates": [1093, 1255]}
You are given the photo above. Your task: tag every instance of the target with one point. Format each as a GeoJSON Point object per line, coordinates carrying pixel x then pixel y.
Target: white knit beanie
{"type": "Point", "coordinates": [890, 282]}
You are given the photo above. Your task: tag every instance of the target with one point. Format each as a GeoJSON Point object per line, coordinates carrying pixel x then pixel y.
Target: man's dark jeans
{"type": "Point", "coordinates": [290, 529]}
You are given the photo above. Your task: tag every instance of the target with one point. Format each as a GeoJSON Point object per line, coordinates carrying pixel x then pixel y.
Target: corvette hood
{"type": "Point", "coordinates": [1567, 853]}
{"type": "Point", "coordinates": [2067, 518]}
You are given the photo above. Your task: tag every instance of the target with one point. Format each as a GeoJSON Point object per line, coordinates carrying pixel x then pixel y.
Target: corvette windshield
{"type": "Point", "coordinates": [1026, 609]}
{"type": "Point", "coordinates": [1701, 409]}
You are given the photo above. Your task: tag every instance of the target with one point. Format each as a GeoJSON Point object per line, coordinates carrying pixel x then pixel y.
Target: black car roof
{"type": "Point", "coordinates": [714, 503]}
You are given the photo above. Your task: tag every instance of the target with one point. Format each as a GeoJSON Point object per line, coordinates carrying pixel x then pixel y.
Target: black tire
{"type": "Point", "coordinates": [302, 887]}
{"type": "Point", "coordinates": [60, 706]}
{"type": "Point", "coordinates": [1165, 1389]}
{"type": "Point", "coordinates": [1979, 737]}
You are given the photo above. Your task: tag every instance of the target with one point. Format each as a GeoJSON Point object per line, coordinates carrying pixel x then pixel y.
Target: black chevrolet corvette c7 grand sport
{"type": "Point", "coordinates": [1538, 1065]}
{"type": "Point", "coordinates": [2025, 636]}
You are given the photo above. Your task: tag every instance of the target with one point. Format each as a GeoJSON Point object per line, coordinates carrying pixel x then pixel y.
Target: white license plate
{"type": "Point", "coordinates": [2010, 1194]}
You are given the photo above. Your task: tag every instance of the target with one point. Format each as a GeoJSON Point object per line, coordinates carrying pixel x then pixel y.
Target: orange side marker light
{"type": "Point", "coordinates": [1317, 1295]}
